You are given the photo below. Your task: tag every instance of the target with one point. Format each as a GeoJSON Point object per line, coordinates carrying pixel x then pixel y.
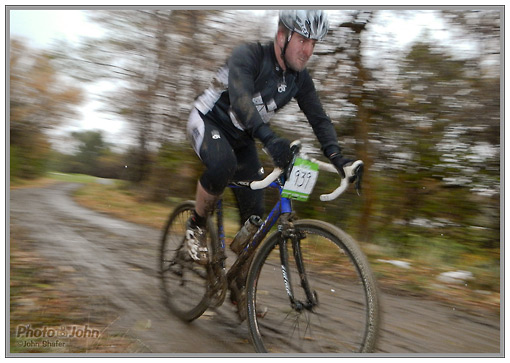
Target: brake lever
{"type": "Point", "coordinates": [295, 147]}
{"type": "Point", "coordinates": [354, 174]}
{"type": "Point", "coordinates": [358, 172]}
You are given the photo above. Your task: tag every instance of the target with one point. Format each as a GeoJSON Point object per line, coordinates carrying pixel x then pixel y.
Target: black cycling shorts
{"type": "Point", "coordinates": [227, 159]}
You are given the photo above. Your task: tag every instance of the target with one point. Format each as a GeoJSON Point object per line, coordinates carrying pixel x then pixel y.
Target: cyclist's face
{"type": "Point", "coordinates": [299, 51]}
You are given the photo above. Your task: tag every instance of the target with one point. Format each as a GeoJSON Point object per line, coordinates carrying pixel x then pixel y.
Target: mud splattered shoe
{"type": "Point", "coordinates": [196, 243]}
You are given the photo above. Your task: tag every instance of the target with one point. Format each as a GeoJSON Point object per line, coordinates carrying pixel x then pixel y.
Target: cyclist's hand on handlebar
{"type": "Point", "coordinates": [279, 149]}
{"type": "Point", "coordinates": [339, 162]}
{"type": "Point", "coordinates": [354, 175]}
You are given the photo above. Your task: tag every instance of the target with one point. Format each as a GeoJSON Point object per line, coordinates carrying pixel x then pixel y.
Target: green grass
{"type": "Point", "coordinates": [53, 177]}
{"type": "Point", "coordinates": [73, 178]}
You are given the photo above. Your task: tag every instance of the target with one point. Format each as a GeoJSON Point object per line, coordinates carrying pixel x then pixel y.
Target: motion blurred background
{"type": "Point", "coordinates": [414, 93]}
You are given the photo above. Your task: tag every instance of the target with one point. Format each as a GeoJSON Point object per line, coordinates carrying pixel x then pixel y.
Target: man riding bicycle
{"type": "Point", "coordinates": [256, 81]}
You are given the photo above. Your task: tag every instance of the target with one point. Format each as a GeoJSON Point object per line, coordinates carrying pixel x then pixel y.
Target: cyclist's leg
{"type": "Point", "coordinates": [215, 151]}
{"type": "Point", "coordinates": [250, 202]}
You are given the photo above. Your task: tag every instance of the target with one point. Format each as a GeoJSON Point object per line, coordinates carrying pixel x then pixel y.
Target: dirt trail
{"type": "Point", "coordinates": [117, 261]}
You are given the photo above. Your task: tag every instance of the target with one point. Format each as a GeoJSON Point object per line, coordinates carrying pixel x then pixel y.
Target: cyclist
{"type": "Point", "coordinates": [256, 81]}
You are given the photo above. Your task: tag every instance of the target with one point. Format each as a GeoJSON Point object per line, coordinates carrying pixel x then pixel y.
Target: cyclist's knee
{"type": "Point", "coordinates": [218, 174]}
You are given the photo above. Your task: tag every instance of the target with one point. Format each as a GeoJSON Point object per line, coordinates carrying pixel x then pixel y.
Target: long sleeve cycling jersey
{"type": "Point", "coordinates": [251, 87]}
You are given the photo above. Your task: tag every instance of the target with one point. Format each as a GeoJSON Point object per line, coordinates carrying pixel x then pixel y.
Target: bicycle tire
{"type": "Point", "coordinates": [184, 283]}
{"type": "Point", "coordinates": [346, 319]}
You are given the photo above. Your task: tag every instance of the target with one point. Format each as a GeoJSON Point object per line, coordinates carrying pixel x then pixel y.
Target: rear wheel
{"type": "Point", "coordinates": [345, 317]}
{"type": "Point", "coordinates": [184, 282]}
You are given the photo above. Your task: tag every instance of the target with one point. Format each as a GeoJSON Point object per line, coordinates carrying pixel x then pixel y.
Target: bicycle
{"type": "Point", "coordinates": [333, 307]}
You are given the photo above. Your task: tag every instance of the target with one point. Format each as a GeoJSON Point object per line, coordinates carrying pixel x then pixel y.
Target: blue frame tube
{"type": "Point", "coordinates": [284, 205]}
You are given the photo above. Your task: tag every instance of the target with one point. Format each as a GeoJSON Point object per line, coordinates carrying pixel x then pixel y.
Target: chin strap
{"type": "Point", "coordinates": [287, 41]}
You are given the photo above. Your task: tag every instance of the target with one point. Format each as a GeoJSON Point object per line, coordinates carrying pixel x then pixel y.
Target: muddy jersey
{"type": "Point", "coordinates": [251, 87]}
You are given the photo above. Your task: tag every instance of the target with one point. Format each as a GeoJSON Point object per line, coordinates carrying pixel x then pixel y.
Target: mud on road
{"type": "Point", "coordinates": [116, 262]}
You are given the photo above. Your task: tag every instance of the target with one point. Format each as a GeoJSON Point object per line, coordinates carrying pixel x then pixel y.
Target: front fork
{"type": "Point", "coordinates": [289, 232]}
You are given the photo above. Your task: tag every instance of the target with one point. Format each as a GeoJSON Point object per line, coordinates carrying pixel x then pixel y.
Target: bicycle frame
{"type": "Point", "coordinates": [282, 207]}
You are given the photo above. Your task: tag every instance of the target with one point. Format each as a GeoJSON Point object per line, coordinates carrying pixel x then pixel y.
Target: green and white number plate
{"type": "Point", "coordinates": [302, 179]}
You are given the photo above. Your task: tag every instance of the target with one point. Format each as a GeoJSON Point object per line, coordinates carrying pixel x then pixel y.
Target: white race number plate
{"type": "Point", "coordinates": [302, 180]}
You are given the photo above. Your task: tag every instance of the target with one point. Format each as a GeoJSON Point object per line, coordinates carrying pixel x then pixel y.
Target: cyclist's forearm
{"type": "Point", "coordinates": [264, 133]}
{"type": "Point", "coordinates": [311, 106]}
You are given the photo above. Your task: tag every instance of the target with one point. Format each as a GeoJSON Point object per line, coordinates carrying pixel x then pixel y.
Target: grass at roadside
{"type": "Point", "coordinates": [117, 200]}
{"type": "Point", "coordinates": [51, 178]}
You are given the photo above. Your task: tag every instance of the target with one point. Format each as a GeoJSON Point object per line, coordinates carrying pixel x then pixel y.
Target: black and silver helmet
{"type": "Point", "coordinates": [311, 24]}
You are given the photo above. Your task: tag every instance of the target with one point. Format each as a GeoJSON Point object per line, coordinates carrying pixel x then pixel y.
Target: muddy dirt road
{"type": "Point", "coordinates": [116, 261]}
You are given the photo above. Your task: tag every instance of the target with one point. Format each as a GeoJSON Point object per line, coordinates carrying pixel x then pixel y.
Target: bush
{"type": "Point", "coordinates": [29, 161]}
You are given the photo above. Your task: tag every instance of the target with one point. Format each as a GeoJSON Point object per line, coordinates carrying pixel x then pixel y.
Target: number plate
{"type": "Point", "coordinates": [302, 179]}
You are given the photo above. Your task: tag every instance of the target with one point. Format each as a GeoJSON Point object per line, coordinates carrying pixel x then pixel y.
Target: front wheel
{"type": "Point", "coordinates": [342, 313]}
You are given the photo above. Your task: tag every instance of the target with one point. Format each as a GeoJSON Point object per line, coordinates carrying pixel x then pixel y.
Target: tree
{"type": "Point", "coordinates": [40, 99]}
{"type": "Point", "coordinates": [160, 60]}
{"type": "Point", "coordinates": [91, 147]}
{"type": "Point", "coordinates": [359, 96]}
